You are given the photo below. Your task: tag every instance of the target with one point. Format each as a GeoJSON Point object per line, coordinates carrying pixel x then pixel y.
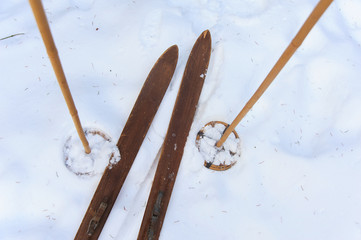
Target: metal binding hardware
{"type": "Point", "coordinates": [156, 212]}
{"type": "Point", "coordinates": [95, 220]}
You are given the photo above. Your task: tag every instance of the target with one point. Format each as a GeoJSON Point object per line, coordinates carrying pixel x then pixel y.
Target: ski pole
{"type": "Point", "coordinates": [48, 40]}
{"type": "Point", "coordinates": [287, 54]}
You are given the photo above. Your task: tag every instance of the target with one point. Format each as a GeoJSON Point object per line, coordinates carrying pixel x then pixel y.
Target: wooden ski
{"type": "Point", "coordinates": [129, 143]}
{"type": "Point", "coordinates": [176, 137]}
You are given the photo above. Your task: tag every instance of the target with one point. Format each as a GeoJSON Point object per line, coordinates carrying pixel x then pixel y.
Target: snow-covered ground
{"type": "Point", "coordinates": [299, 176]}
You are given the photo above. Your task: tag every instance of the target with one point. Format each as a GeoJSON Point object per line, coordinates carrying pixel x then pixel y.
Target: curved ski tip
{"type": "Point", "coordinates": [206, 34]}
{"type": "Point", "coordinates": [174, 48]}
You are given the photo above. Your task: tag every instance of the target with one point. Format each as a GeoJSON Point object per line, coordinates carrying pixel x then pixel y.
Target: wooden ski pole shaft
{"type": "Point", "coordinates": [287, 54]}
{"type": "Point", "coordinates": [44, 29]}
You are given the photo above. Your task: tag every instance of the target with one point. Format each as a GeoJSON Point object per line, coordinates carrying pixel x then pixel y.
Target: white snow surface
{"type": "Point", "coordinates": [230, 151]}
{"type": "Point", "coordinates": [299, 175]}
{"type": "Point", "coordinates": [104, 153]}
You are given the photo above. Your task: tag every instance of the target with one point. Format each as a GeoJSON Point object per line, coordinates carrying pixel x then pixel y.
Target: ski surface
{"type": "Point", "coordinates": [131, 139]}
{"type": "Point", "coordinates": [176, 137]}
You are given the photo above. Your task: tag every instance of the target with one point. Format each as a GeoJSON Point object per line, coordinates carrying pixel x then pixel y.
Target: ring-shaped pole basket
{"type": "Point", "coordinates": [210, 165]}
{"type": "Point", "coordinates": [68, 148]}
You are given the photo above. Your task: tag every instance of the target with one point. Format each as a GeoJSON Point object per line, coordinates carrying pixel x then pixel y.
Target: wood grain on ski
{"type": "Point", "coordinates": [129, 143]}
{"type": "Point", "coordinates": [176, 137]}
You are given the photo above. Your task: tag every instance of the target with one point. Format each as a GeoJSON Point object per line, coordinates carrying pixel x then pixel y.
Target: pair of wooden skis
{"type": "Point", "coordinates": [135, 131]}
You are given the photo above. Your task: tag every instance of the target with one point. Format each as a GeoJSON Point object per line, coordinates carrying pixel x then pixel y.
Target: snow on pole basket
{"type": "Point", "coordinates": [104, 153]}
{"type": "Point", "coordinates": [224, 157]}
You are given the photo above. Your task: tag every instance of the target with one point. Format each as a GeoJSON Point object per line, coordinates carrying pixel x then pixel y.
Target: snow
{"type": "Point", "coordinates": [298, 176]}
{"type": "Point", "coordinates": [104, 153]}
{"type": "Point", "coordinates": [228, 154]}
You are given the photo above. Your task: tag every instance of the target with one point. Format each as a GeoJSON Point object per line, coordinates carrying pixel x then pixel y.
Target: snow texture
{"type": "Point", "coordinates": [299, 173]}
{"type": "Point", "coordinates": [104, 153]}
{"type": "Point", "coordinates": [229, 153]}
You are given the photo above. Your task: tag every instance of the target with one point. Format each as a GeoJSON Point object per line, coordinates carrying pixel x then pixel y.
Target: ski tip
{"type": "Point", "coordinates": [205, 37]}
{"type": "Point", "coordinates": [174, 49]}
{"type": "Point", "coordinates": [206, 34]}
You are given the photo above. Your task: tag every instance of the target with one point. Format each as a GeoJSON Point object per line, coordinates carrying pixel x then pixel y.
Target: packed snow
{"type": "Point", "coordinates": [299, 174]}
{"type": "Point", "coordinates": [104, 153]}
{"type": "Point", "coordinates": [226, 155]}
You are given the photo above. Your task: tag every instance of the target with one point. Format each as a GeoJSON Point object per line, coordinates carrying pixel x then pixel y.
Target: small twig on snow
{"type": "Point", "coordinates": [14, 35]}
